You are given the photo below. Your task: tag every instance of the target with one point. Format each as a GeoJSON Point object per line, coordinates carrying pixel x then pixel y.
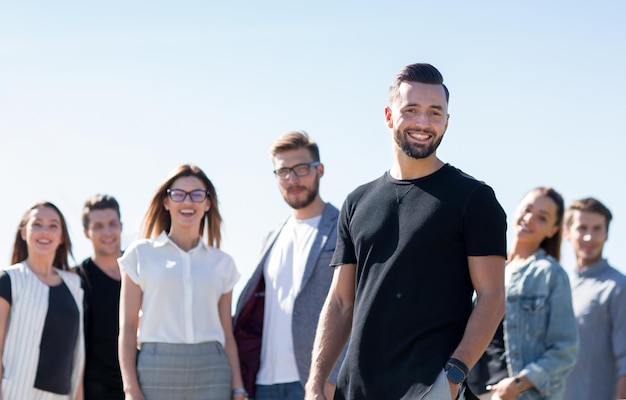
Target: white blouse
{"type": "Point", "coordinates": [180, 289]}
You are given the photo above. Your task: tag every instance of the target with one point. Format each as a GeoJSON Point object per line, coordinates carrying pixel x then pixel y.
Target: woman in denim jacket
{"type": "Point", "coordinates": [540, 332]}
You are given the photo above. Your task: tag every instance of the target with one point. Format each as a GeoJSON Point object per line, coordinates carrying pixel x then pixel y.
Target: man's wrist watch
{"type": "Point", "coordinates": [454, 373]}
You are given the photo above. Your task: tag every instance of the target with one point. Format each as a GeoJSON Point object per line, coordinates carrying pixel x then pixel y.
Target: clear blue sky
{"type": "Point", "coordinates": [109, 97]}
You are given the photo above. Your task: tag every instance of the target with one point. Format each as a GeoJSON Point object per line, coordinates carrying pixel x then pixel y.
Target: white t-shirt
{"type": "Point", "coordinates": [283, 271]}
{"type": "Point", "coordinates": [180, 289]}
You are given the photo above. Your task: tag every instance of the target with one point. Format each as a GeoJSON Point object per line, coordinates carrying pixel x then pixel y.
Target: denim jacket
{"type": "Point", "coordinates": [540, 331]}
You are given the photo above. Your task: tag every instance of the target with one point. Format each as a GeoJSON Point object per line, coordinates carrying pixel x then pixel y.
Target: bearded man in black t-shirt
{"type": "Point", "coordinates": [412, 247]}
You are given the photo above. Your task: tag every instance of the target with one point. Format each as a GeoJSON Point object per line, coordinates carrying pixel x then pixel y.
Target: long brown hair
{"type": "Point", "coordinates": [552, 245]}
{"type": "Point", "coordinates": [157, 218]}
{"type": "Point", "coordinates": [20, 247]}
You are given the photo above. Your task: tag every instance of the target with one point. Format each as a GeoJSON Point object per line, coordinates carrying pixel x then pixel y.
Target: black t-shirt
{"type": "Point", "coordinates": [5, 287]}
{"type": "Point", "coordinates": [102, 299]}
{"type": "Point", "coordinates": [58, 339]}
{"type": "Point", "coordinates": [410, 241]}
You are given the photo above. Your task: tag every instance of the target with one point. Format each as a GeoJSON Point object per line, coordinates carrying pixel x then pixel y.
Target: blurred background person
{"type": "Point", "coordinates": [539, 330]}
{"type": "Point", "coordinates": [183, 286]}
{"type": "Point", "coordinates": [279, 307]}
{"type": "Point", "coordinates": [100, 275]}
{"type": "Point", "coordinates": [599, 296]}
{"type": "Point", "coordinates": [41, 312]}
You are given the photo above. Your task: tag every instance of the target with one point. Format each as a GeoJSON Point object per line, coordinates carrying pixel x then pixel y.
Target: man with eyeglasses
{"type": "Point", "coordinates": [278, 309]}
{"type": "Point", "coordinates": [101, 278]}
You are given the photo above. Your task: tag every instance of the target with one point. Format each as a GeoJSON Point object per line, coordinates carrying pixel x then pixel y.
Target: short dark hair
{"type": "Point", "coordinates": [420, 72]}
{"type": "Point", "coordinates": [589, 204]}
{"type": "Point", "coordinates": [293, 141]}
{"type": "Point", "coordinates": [99, 202]}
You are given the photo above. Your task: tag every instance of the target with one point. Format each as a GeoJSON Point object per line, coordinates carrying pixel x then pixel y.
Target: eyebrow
{"type": "Point", "coordinates": [529, 206]}
{"type": "Point", "coordinates": [51, 220]}
{"type": "Point", "coordinates": [546, 213]}
{"type": "Point", "coordinates": [436, 106]}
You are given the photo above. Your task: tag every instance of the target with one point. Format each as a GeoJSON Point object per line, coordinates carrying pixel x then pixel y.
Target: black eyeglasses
{"type": "Point", "coordinates": [299, 170]}
{"type": "Point", "coordinates": [179, 195]}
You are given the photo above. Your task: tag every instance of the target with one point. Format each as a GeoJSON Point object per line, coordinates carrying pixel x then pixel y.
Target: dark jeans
{"type": "Point", "coordinates": [280, 391]}
{"type": "Point", "coordinates": [98, 391]}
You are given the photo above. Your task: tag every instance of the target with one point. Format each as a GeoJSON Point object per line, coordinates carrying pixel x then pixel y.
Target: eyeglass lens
{"type": "Point", "coordinates": [178, 195]}
{"type": "Point", "coordinates": [299, 170]}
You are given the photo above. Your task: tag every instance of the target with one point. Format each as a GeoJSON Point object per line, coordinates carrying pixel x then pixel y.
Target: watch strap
{"type": "Point", "coordinates": [455, 374]}
{"type": "Point", "coordinates": [460, 364]}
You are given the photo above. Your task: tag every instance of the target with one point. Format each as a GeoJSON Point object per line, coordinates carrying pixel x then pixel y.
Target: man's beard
{"type": "Point", "coordinates": [414, 150]}
{"type": "Point", "coordinates": [297, 204]}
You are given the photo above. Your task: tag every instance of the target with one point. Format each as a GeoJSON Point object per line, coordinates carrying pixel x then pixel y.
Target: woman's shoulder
{"type": "Point", "coordinates": [71, 279]}
{"type": "Point", "coordinates": [548, 265]}
{"type": "Point", "coordinates": [15, 269]}
{"type": "Point", "coordinates": [70, 275]}
{"type": "Point", "coordinates": [142, 243]}
{"type": "Point", "coordinates": [219, 254]}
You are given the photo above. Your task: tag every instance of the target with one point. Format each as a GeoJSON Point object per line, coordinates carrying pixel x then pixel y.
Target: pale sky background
{"type": "Point", "coordinates": [109, 97]}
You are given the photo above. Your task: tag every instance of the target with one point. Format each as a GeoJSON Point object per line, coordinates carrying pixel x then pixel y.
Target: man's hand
{"type": "Point", "coordinates": [314, 394]}
{"type": "Point", "coordinates": [454, 389]}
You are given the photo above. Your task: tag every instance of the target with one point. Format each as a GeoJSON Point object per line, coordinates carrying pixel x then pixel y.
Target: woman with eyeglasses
{"type": "Point", "coordinates": [182, 284]}
{"type": "Point", "coordinates": [41, 312]}
{"type": "Point", "coordinates": [537, 344]}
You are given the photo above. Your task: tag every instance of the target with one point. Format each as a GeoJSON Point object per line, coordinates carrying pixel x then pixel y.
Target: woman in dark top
{"type": "Point", "coordinates": [41, 321]}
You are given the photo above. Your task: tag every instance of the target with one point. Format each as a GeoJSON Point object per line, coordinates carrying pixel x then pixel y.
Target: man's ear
{"type": "Point", "coordinates": [566, 232]}
{"type": "Point", "coordinates": [388, 119]}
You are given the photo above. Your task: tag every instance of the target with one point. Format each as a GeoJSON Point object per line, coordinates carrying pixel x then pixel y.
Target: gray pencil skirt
{"type": "Point", "coordinates": [168, 371]}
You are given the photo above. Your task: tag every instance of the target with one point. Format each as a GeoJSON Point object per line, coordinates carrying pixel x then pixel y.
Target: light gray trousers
{"type": "Point", "coordinates": [441, 389]}
{"type": "Point", "coordinates": [168, 371]}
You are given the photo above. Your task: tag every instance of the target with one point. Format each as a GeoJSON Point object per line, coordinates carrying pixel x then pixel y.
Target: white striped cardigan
{"type": "Point", "coordinates": [29, 308]}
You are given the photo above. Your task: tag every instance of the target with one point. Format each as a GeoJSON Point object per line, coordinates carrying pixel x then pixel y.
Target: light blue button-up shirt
{"type": "Point", "coordinates": [599, 295]}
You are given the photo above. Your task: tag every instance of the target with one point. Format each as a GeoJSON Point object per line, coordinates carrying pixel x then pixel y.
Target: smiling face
{"type": "Point", "coordinates": [536, 219]}
{"type": "Point", "coordinates": [104, 231]}
{"type": "Point", "coordinates": [187, 213]}
{"type": "Point", "coordinates": [587, 232]}
{"type": "Point", "coordinates": [418, 117]}
{"type": "Point", "coordinates": [43, 231]}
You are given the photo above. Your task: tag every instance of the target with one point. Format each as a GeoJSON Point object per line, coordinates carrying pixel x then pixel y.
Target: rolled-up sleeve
{"type": "Point", "coordinates": [128, 263]}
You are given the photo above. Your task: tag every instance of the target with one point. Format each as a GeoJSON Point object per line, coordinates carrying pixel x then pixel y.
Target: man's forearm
{"type": "Point", "coordinates": [481, 327]}
{"type": "Point", "coordinates": [331, 336]}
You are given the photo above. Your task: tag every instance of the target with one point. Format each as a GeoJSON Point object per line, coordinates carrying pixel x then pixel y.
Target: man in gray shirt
{"type": "Point", "coordinates": [599, 298]}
